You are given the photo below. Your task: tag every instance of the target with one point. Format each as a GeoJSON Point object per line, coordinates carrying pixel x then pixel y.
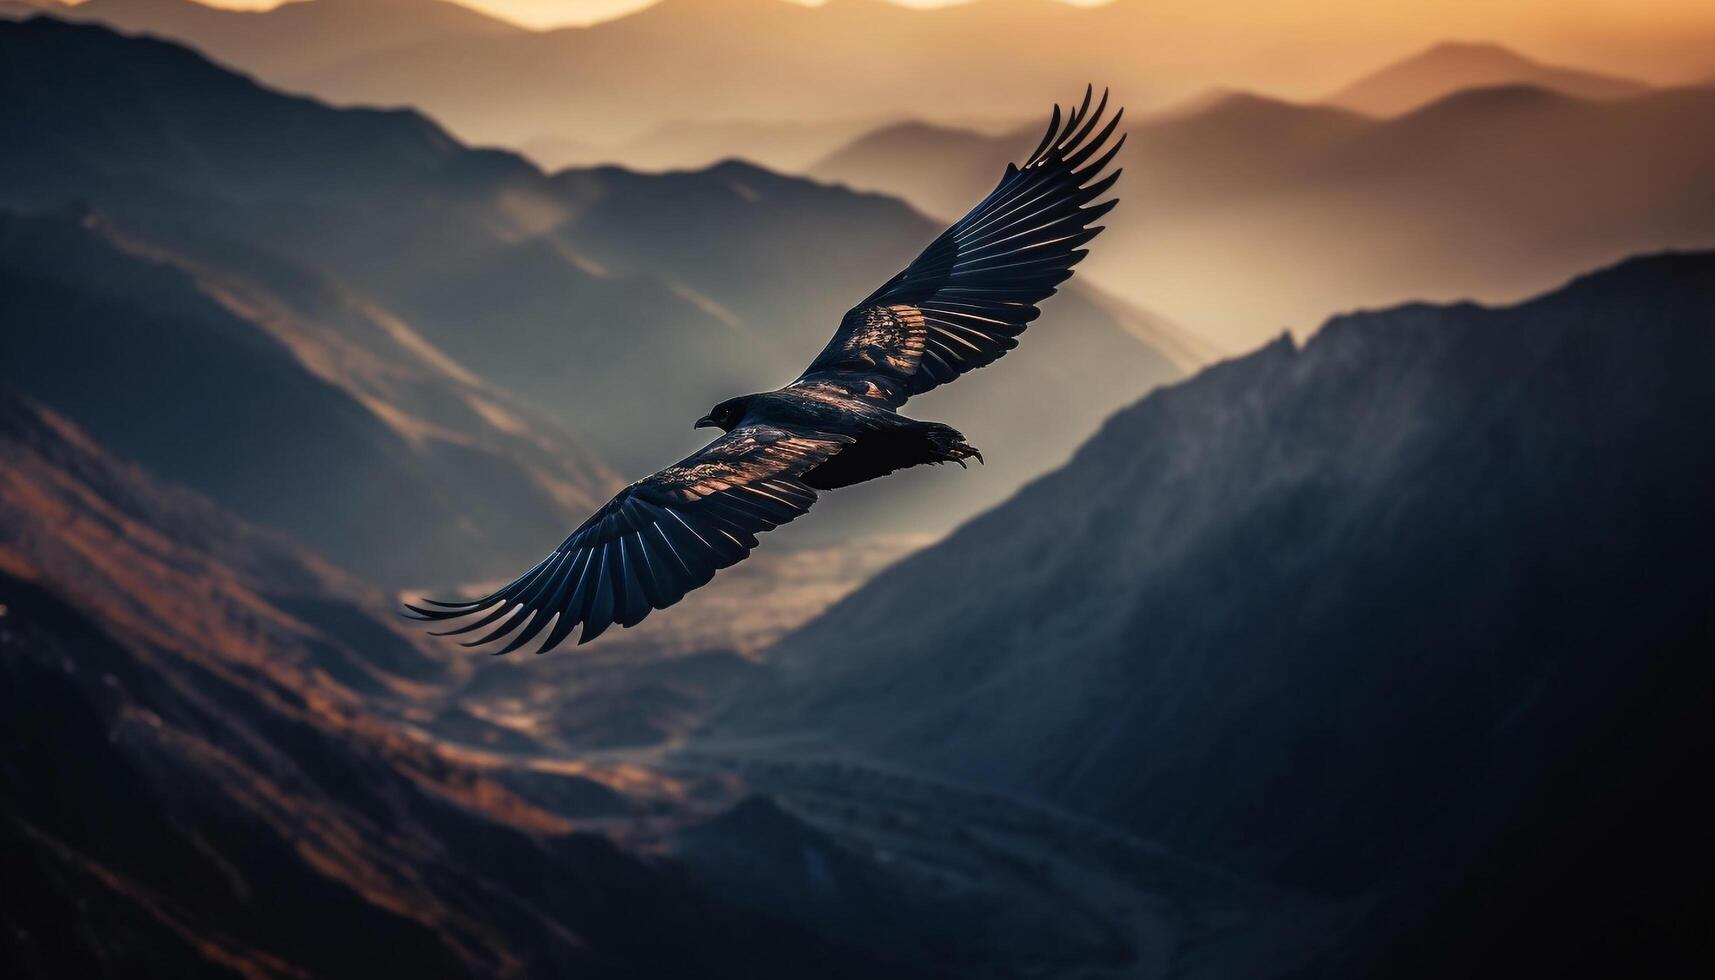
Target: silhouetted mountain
{"type": "Point", "coordinates": [1451, 66]}
{"type": "Point", "coordinates": [298, 406]}
{"type": "Point", "coordinates": [1316, 210]}
{"type": "Point", "coordinates": [299, 35]}
{"type": "Point", "coordinates": [197, 780]}
{"type": "Point", "coordinates": [1416, 617]}
{"type": "Point", "coordinates": [622, 305]}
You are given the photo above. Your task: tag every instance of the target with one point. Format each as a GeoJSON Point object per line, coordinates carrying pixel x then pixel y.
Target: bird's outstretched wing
{"type": "Point", "coordinates": [658, 539]}
{"type": "Point", "coordinates": [962, 304]}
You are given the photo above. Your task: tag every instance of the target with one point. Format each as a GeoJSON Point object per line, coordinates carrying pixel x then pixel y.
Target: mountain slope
{"type": "Point", "coordinates": [571, 290]}
{"type": "Point", "coordinates": [1415, 612]}
{"type": "Point", "coordinates": [291, 403]}
{"type": "Point", "coordinates": [1451, 66]}
{"type": "Point", "coordinates": [200, 777]}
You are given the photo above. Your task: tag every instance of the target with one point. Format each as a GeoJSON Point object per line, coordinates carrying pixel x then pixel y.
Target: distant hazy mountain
{"type": "Point", "coordinates": [251, 381]}
{"type": "Point", "coordinates": [779, 61]}
{"type": "Point", "coordinates": [200, 777]}
{"type": "Point", "coordinates": [299, 35]}
{"type": "Point", "coordinates": [1253, 214]}
{"type": "Point", "coordinates": [940, 168]}
{"type": "Point", "coordinates": [721, 59]}
{"type": "Point", "coordinates": [1416, 615]}
{"type": "Point", "coordinates": [688, 143]}
{"type": "Point", "coordinates": [1450, 66]}
{"type": "Point", "coordinates": [622, 305]}
{"type": "Point", "coordinates": [934, 167]}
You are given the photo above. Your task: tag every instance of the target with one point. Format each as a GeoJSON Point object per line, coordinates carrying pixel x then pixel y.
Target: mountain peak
{"type": "Point", "coordinates": [1449, 66]}
{"type": "Point", "coordinates": [1487, 51]}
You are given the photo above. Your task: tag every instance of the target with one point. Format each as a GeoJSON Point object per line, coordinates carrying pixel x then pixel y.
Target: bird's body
{"type": "Point", "coordinates": [883, 440]}
{"type": "Point", "coordinates": [959, 306]}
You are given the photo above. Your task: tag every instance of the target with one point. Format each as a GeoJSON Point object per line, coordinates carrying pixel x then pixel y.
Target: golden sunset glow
{"type": "Point", "coordinates": [1662, 40]}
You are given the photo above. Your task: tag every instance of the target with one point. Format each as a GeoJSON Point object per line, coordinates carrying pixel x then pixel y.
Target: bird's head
{"type": "Point", "coordinates": [727, 415]}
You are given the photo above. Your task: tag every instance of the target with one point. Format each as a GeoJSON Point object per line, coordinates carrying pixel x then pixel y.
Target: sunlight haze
{"type": "Point", "coordinates": [1587, 28]}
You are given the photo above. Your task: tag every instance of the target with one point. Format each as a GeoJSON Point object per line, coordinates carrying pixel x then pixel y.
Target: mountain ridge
{"type": "Point", "coordinates": [1333, 616]}
{"type": "Point", "coordinates": [388, 433]}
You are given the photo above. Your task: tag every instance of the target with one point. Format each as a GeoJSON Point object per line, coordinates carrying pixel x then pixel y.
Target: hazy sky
{"type": "Point", "coordinates": [1513, 20]}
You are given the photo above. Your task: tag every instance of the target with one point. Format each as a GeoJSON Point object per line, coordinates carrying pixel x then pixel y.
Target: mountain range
{"type": "Point", "coordinates": [771, 61]}
{"type": "Point", "coordinates": [1413, 616]}
{"type": "Point", "coordinates": [568, 290]}
{"type": "Point", "coordinates": [1254, 214]}
{"type": "Point", "coordinates": [1302, 206]}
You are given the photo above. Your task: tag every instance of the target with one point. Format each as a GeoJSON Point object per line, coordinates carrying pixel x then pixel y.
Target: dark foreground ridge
{"type": "Point", "coordinates": [1417, 614]}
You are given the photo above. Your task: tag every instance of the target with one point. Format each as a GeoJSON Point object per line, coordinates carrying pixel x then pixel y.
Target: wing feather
{"type": "Point", "coordinates": [963, 302]}
{"type": "Point", "coordinates": [655, 541]}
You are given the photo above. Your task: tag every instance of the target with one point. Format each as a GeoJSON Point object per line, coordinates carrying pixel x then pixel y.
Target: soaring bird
{"type": "Point", "coordinates": [958, 306]}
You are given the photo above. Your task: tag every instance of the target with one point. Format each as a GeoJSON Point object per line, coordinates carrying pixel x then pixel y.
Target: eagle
{"type": "Point", "coordinates": [959, 306]}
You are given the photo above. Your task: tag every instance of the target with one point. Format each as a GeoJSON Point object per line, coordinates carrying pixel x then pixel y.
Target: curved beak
{"type": "Point", "coordinates": [706, 423]}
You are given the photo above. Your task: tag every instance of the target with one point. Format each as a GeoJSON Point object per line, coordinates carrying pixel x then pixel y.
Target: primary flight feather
{"type": "Point", "coordinates": [959, 306]}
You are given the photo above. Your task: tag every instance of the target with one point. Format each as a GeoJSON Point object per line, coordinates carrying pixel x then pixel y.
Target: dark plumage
{"type": "Point", "coordinates": [959, 306]}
